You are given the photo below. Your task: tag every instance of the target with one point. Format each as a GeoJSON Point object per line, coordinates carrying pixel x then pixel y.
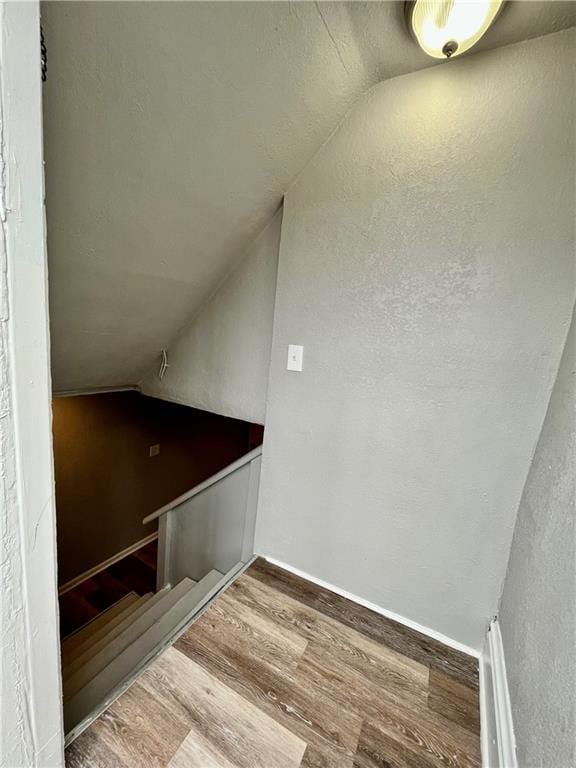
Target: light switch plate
{"type": "Point", "coordinates": [295, 357]}
{"type": "Point", "coordinates": [154, 450]}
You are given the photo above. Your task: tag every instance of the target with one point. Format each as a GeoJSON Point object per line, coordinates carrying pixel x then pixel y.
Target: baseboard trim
{"type": "Point", "coordinates": [106, 564]}
{"type": "Point", "coordinates": [95, 390]}
{"type": "Point", "coordinates": [444, 639]}
{"type": "Point", "coordinates": [488, 739]}
{"type": "Point", "coordinates": [497, 728]}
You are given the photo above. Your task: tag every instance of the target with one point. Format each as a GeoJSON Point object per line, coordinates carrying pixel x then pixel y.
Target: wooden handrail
{"type": "Point", "coordinates": [246, 459]}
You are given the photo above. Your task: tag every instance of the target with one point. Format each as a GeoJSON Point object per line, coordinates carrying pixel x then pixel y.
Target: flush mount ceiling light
{"type": "Point", "coordinates": [445, 28]}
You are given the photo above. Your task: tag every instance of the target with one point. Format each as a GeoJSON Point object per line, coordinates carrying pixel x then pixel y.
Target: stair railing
{"type": "Point", "coordinates": [211, 526]}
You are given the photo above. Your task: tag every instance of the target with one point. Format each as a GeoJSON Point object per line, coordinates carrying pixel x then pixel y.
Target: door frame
{"type": "Point", "coordinates": [31, 712]}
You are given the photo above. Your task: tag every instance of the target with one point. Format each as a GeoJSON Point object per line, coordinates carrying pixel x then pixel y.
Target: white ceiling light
{"type": "Point", "coordinates": [445, 28]}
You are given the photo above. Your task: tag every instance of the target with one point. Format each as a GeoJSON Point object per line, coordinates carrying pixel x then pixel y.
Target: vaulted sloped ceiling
{"type": "Point", "coordinates": [172, 130]}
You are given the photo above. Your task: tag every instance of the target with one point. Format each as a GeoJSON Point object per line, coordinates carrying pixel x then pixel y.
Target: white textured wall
{"type": "Point", "coordinates": [220, 360]}
{"type": "Point", "coordinates": [426, 265]}
{"type": "Point", "coordinates": [538, 608]}
{"type": "Point", "coordinates": [30, 706]}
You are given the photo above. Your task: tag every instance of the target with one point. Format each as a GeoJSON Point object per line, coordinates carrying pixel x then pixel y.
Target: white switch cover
{"type": "Point", "coordinates": [154, 450]}
{"type": "Point", "coordinates": [295, 357]}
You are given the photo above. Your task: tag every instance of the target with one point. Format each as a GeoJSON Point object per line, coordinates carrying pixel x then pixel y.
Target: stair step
{"type": "Point", "coordinates": [89, 687]}
{"type": "Point", "coordinates": [93, 643]}
{"type": "Point", "coordinates": [80, 635]}
{"type": "Point", "coordinates": [78, 672]}
{"type": "Point", "coordinates": [84, 668]}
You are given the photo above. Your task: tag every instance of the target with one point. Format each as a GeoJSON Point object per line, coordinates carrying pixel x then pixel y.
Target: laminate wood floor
{"type": "Point", "coordinates": [280, 673]}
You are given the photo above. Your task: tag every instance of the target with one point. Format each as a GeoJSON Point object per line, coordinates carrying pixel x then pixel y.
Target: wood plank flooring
{"type": "Point", "coordinates": [134, 573]}
{"type": "Point", "coordinates": [279, 673]}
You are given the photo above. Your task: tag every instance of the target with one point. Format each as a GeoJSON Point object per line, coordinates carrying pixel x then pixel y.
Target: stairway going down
{"type": "Point", "coordinates": [205, 534]}
{"type": "Point", "coordinates": [104, 654]}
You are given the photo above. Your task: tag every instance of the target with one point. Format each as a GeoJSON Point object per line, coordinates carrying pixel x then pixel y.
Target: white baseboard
{"type": "Point", "coordinates": [106, 564]}
{"type": "Point", "coordinates": [95, 391]}
{"type": "Point", "coordinates": [444, 639]}
{"type": "Point", "coordinates": [496, 725]}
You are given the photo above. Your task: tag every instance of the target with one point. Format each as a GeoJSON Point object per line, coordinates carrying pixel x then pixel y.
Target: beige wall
{"type": "Point", "coordinates": [106, 482]}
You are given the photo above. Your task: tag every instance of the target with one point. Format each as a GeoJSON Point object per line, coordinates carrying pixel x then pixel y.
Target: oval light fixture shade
{"type": "Point", "coordinates": [447, 28]}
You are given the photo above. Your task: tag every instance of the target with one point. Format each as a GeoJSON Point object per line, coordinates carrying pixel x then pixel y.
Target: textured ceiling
{"type": "Point", "coordinates": [172, 131]}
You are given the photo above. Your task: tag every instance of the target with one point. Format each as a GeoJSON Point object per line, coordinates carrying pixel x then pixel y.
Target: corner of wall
{"type": "Point", "coordinates": [566, 334]}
